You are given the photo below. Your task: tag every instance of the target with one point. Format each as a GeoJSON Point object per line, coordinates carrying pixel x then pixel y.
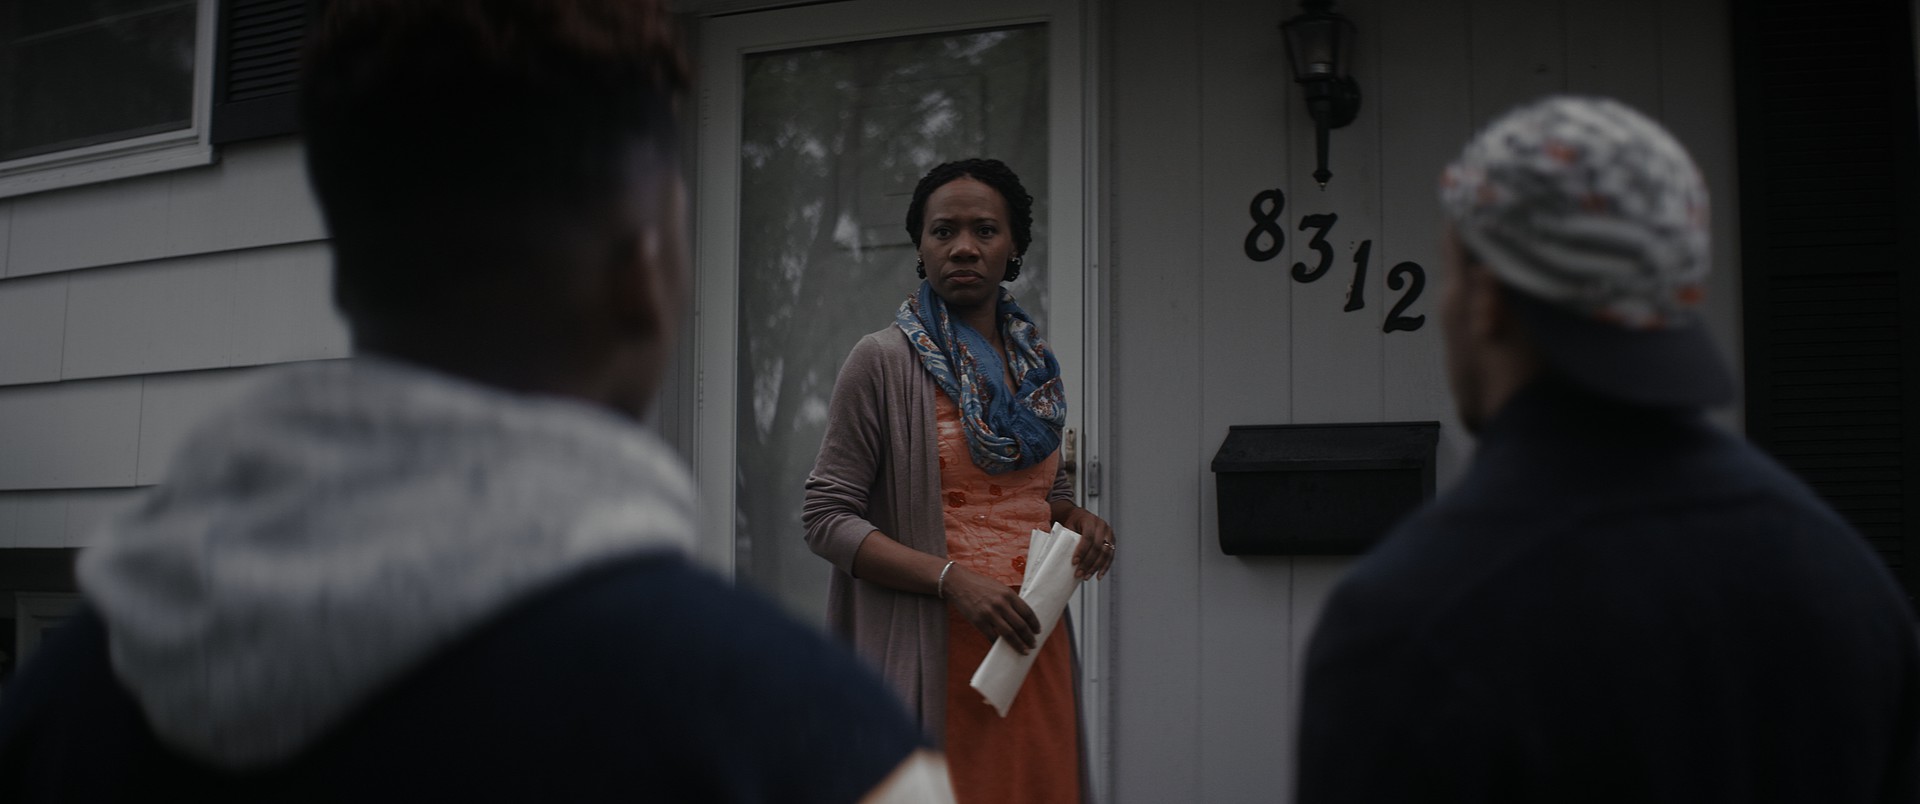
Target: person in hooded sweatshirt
{"type": "Point", "coordinates": [453, 567]}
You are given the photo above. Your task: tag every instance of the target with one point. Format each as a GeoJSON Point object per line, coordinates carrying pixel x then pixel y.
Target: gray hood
{"type": "Point", "coordinates": [344, 522]}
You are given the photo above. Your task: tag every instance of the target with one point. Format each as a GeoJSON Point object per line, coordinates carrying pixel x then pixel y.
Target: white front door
{"type": "Point", "coordinates": [815, 124]}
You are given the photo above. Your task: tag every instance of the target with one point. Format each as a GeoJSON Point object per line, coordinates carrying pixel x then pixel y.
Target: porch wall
{"type": "Point", "coordinates": [1202, 115]}
{"type": "Point", "coordinates": [128, 309]}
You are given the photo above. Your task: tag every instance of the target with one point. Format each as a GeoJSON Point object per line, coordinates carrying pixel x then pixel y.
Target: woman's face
{"type": "Point", "coordinates": [965, 242]}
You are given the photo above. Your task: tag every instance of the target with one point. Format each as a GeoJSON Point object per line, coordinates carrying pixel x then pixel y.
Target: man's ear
{"type": "Point", "coordinates": [1495, 321]}
{"type": "Point", "coordinates": [643, 264]}
{"type": "Point", "coordinates": [1499, 328]}
{"type": "Point", "coordinates": [640, 282]}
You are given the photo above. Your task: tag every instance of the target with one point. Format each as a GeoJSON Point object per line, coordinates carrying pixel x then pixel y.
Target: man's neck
{"type": "Point", "coordinates": [521, 369]}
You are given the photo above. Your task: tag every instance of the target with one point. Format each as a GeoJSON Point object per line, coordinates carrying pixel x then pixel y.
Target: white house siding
{"type": "Point", "coordinates": [130, 309]}
{"type": "Point", "coordinates": [1202, 116]}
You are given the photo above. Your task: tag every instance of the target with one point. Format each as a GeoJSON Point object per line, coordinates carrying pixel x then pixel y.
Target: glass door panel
{"type": "Point", "coordinates": [815, 122]}
{"type": "Point", "coordinates": [832, 141]}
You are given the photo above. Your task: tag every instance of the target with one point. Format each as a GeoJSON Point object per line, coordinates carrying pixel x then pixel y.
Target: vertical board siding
{"type": "Point", "coordinates": [1337, 354]}
{"type": "Point", "coordinates": [1697, 105]}
{"type": "Point", "coordinates": [1519, 52]}
{"type": "Point", "coordinates": [1246, 104]}
{"type": "Point", "coordinates": [1204, 332]}
{"type": "Point", "coordinates": [1423, 122]}
{"type": "Point", "coordinates": [1339, 348]}
{"type": "Point", "coordinates": [1157, 388]}
{"type": "Point", "coordinates": [33, 316]}
{"type": "Point", "coordinates": [1615, 49]}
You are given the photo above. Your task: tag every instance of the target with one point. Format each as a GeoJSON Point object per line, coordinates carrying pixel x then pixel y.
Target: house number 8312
{"type": "Point", "coordinates": [1267, 237]}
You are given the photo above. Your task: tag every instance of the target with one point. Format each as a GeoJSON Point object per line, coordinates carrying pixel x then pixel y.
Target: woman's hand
{"type": "Point", "coordinates": [1095, 554]}
{"type": "Point", "coordinates": [992, 607]}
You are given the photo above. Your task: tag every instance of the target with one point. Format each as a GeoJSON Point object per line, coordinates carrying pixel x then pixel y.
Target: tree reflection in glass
{"type": "Point", "coordinates": [832, 141]}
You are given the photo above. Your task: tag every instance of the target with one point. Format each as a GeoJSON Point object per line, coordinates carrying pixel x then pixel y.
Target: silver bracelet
{"type": "Point", "coordinates": [940, 586]}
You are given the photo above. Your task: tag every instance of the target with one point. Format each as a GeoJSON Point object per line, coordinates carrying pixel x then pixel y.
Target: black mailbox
{"type": "Point", "coordinates": [1319, 489]}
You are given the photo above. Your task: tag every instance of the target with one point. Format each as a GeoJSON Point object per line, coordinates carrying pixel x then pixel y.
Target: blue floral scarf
{"type": "Point", "coordinates": [1006, 429]}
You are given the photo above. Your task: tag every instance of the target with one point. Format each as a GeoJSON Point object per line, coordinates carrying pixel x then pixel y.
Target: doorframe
{"type": "Point", "coordinates": [1076, 172]}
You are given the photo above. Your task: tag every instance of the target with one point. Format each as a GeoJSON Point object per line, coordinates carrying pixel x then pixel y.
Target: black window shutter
{"type": "Point", "coordinates": [257, 68]}
{"type": "Point", "coordinates": [1831, 257]}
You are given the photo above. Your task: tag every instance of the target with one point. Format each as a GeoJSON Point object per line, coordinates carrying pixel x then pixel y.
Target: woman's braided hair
{"type": "Point", "coordinates": [993, 173]}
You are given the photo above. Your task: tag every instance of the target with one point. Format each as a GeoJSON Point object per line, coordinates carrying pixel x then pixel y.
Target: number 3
{"type": "Point", "coordinates": [1323, 224]}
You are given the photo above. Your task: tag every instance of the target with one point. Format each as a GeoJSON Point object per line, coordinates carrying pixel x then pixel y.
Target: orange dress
{"type": "Point", "coordinates": [1033, 754]}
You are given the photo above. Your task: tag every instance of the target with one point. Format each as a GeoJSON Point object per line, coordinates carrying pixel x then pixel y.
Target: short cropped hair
{"type": "Point", "coordinates": [438, 130]}
{"type": "Point", "coordinates": [991, 172]}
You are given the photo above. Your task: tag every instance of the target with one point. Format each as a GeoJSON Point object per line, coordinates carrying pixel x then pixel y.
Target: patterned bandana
{"type": "Point", "coordinates": [1589, 206]}
{"type": "Point", "coordinates": [1006, 430]}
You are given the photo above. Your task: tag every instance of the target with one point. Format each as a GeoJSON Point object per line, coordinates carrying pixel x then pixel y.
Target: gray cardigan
{"type": "Point", "coordinates": [879, 469]}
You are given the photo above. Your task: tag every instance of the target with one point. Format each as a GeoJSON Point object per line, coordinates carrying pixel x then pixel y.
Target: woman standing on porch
{"type": "Point", "coordinates": [941, 455]}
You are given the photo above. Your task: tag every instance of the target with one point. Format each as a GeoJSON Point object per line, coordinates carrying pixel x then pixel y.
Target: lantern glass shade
{"type": "Point", "coordinates": [1319, 43]}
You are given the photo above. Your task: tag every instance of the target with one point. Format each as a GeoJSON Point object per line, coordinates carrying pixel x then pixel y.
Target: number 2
{"type": "Point", "coordinates": [1418, 277]}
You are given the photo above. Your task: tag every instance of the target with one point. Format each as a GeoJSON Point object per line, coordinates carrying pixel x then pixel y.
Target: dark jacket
{"type": "Point", "coordinates": [1614, 604]}
{"type": "Point", "coordinates": [645, 680]}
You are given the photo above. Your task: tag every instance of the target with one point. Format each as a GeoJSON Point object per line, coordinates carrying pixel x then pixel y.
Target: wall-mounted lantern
{"type": "Point", "coordinates": [1320, 45]}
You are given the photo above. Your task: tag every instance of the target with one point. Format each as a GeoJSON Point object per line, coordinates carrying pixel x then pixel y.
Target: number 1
{"type": "Point", "coordinates": [1357, 292]}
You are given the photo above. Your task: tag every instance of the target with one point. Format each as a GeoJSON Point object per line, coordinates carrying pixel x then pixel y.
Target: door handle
{"type": "Point", "coordinates": [1070, 462]}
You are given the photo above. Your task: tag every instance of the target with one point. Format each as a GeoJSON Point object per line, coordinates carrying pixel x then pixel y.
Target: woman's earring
{"type": "Point", "coordinates": [920, 267]}
{"type": "Point", "coordinates": [1013, 268]}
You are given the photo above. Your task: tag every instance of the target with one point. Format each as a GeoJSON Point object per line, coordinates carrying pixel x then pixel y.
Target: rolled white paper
{"type": "Point", "coordinates": [1036, 550]}
{"type": "Point", "coordinates": [1048, 584]}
